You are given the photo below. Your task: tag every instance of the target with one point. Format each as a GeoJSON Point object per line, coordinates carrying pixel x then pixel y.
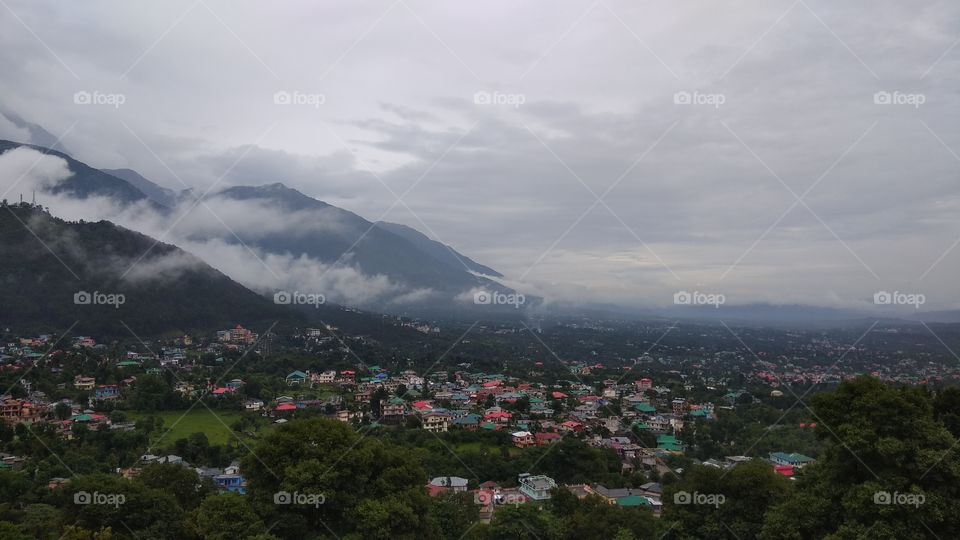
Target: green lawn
{"type": "Point", "coordinates": [176, 425]}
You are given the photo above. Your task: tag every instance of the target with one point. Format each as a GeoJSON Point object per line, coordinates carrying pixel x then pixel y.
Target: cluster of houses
{"type": "Point", "coordinates": [535, 415]}
{"type": "Point", "coordinates": [536, 489]}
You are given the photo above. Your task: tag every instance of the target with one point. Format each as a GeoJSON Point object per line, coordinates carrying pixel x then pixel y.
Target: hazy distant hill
{"type": "Point", "coordinates": [382, 248]}
{"type": "Point", "coordinates": [441, 252]}
{"type": "Point", "coordinates": [154, 192]}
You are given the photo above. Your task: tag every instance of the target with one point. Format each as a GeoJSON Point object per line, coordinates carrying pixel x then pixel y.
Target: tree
{"type": "Point", "coordinates": [62, 411]}
{"type": "Point", "coordinates": [9, 531]}
{"type": "Point", "coordinates": [452, 514]}
{"type": "Point", "coordinates": [332, 477]}
{"type": "Point", "coordinates": [226, 517]}
{"type": "Point", "coordinates": [887, 470]}
{"type": "Point", "coordinates": [121, 505]}
{"type": "Point", "coordinates": [714, 503]}
{"type": "Point", "coordinates": [41, 521]}
{"type": "Point", "coordinates": [524, 521]}
{"type": "Point", "coordinates": [176, 480]}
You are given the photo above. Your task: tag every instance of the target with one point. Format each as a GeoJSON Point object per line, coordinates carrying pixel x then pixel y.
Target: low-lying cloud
{"type": "Point", "coordinates": [207, 231]}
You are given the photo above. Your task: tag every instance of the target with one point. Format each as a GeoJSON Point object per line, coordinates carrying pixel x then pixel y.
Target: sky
{"type": "Point", "coordinates": [595, 151]}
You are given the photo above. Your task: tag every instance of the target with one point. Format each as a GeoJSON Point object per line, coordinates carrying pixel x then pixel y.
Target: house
{"type": "Point", "coordinates": [679, 406]}
{"type": "Point", "coordinates": [347, 416]}
{"type": "Point", "coordinates": [645, 408]}
{"type": "Point", "coordinates": [625, 497]}
{"type": "Point", "coordinates": [285, 408]}
{"type": "Point", "coordinates": [442, 484]}
{"type": "Point", "coordinates": [524, 439]}
{"type": "Point", "coordinates": [733, 461]}
{"type": "Point", "coordinates": [232, 482]}
{"type": "Point", "coordinates": [571, 426]}
{"type": "Point", "coordinates": [797, 461]}
{"type": "Point", "coordinates": [327, 377]}
{"type": "Point", "coordinates": [253, 404]}
{"type": "Point", "coordinates": [536, 488]}
{"type": "Point", "coordinates": [106, 391]}
{"type": "Point", "coordinates": [84, 383]}
{"type": "Point", "coordinates": [436, 421]}
{"type": "Point", "coordinates": [669, 443]}
{"type": "Point", "coordinates": [297, 377]}
{"type": "Point", "coordinates": [394, 409]}
{"type": "Point", "coordinates": [545, 438]}
{"type": "Point", "coordinates": [470, 421]}
{"type": "Point", "coordinates": [17, 411]}
{"type": "Point", "coordinates": [784, 470]}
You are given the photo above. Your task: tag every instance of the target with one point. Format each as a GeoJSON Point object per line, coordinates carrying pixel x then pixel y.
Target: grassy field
{"type": "Point", "coordinates": [176, 425]}
{"type": "Point", "coordinates": [478, 447]}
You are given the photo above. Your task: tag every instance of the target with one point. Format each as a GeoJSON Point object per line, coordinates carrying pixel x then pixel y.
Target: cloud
{"type": "Point", "coordinates": [699, 196]}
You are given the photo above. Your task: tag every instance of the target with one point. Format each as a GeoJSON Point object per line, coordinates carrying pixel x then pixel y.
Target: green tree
{"type": "Point", "coordinates": [176, 480]}
{"type": "Point", "coordinates": [226, 517]}
{"type": "Point", "coordinates": [715, 503]}
{"type": "Point", "coordinates": [887, 470]}
{"type": "Point", "coordinates": [332, 477]}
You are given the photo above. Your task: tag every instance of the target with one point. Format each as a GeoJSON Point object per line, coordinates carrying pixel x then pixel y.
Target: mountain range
{"type": "Point", "coordinates": [419, 275]}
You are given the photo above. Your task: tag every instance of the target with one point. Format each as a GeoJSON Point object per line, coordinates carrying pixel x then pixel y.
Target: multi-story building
{"type": "Point", "coordinates": [536, 488]}
{"type": "Point", "coordinates": [436, 421]}
{"type": "Point", "coordinates": [17, 411]}
{"type": "Point", "coordinates": [394, 409]}
{"type": "Point", "coordinates": [523, 439]}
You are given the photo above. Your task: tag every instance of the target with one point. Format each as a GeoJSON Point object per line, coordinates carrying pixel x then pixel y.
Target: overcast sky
{"type": "Point", "coordinates": [501, 124]}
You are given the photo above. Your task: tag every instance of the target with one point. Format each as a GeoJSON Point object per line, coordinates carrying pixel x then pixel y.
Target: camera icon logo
{"type": "Point", "coordinates": [882, 98]}
{"type": "Point", "coordinates": [682, 98]}
{"type": "Point", "coordinates": [82, 298]}
{"type": "Point", "coordinates": [482, 298]}
{"type": "Point", "coordinates": [682, 497]}
{"type": "Point", "coordinates": [282, 97]}
{"type": "Point", "coordinates": [882, 497]}
{"type": "Point", "coordinates": [282, 297]}
{"type": "Point", "coordinates": [682, 298]}
{"type": "Point", "coordinates": [882, 298]}
{"type": "Point", "coordinates": [82, 98]}
{"type": "Point", "coordinates": [482, 98]}
{"type": "Point", "coordinates": [282, 497]}
{"type": "Point", "coordinates": [82, 497]}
